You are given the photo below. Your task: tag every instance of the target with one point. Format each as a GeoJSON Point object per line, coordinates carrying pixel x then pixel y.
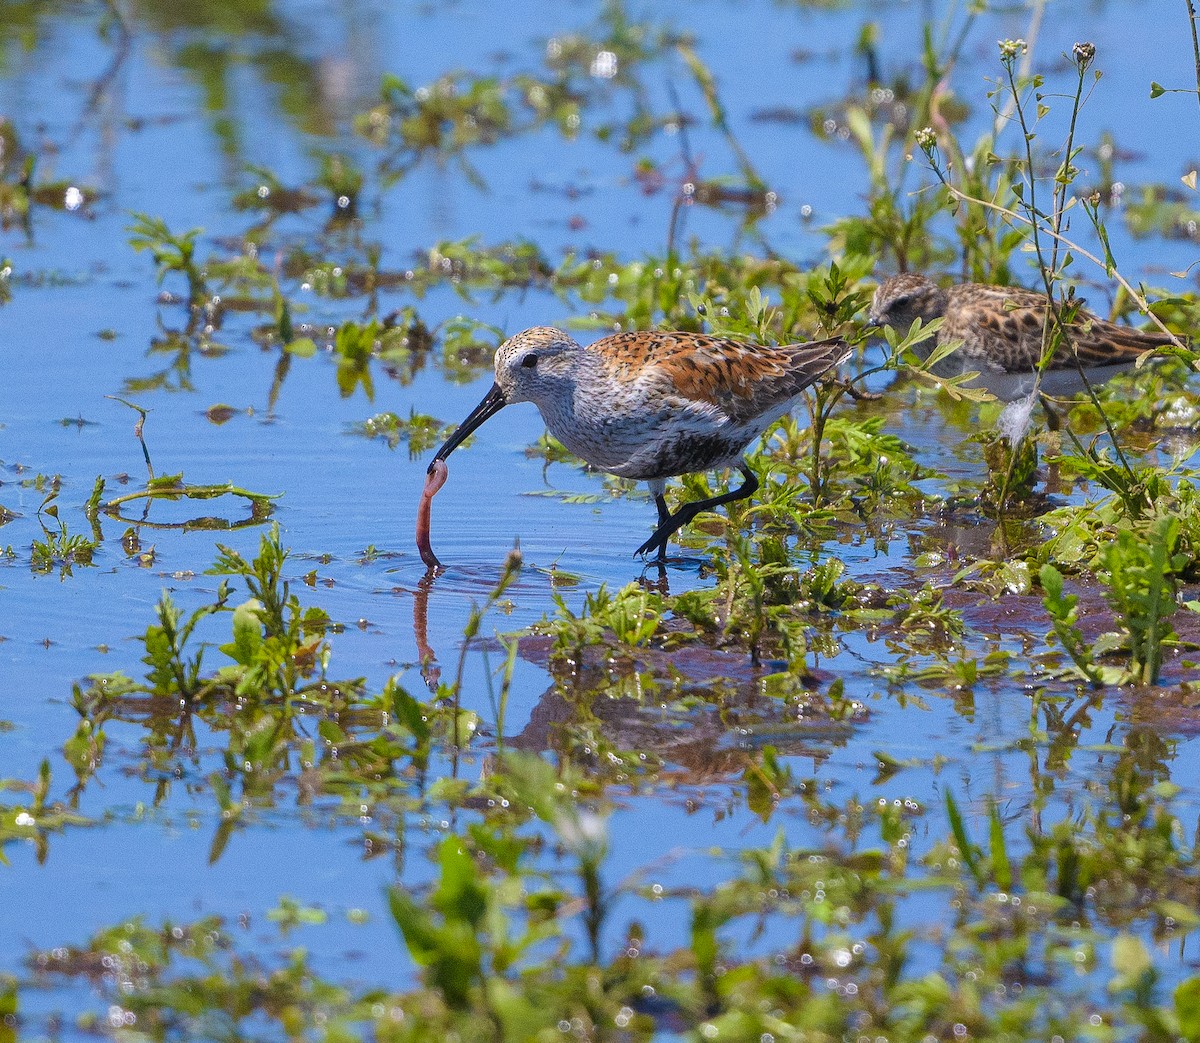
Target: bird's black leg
{"type": "Point", "coordinates": [669, 524]}
{"type": "Point", "coordinates": [664, 519]}
{"type": "Point", "coordinates": [664, 515]}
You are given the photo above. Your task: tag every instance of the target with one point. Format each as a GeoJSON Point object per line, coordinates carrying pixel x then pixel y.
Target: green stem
{"type": "Point", "coordinates": [1195, 43]}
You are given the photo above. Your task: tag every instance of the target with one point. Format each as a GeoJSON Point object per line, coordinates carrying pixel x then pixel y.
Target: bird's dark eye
{"type": "Point", "coordinates": [529, 361]}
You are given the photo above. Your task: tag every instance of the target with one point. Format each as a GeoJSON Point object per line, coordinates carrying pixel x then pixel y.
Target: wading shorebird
{"type": "Point", "coordinates": [653, 405]}
{"type": "Point", "coordinates": [1001, 332]}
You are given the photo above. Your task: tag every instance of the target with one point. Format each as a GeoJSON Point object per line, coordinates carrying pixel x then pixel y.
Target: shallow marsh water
{"type": "Point", "coordinates": [167, 113]}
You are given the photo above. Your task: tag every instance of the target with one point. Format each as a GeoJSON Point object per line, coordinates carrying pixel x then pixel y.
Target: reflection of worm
{"type": "Point", "coordinates": [431, 673]}
{"type": "Point", "coordinates": [433, 482]}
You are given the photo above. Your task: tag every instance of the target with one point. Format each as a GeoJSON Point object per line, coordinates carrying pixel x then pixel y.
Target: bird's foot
{"type": "Point", "coordinates": [656, 540]}
{"type": "Point", "coordinates": [669, 526]}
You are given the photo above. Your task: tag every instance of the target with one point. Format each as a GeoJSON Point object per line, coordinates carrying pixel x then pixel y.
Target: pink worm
{"type": "Point", "coordinates": [434, 480]}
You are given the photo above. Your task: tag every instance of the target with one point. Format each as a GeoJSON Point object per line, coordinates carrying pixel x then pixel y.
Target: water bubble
{"type": "Point", "coordinates": [604, 65]}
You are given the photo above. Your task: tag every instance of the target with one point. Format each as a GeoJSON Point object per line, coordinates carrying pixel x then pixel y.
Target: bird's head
{"type": "Point", "coordinates": [530, 367]}
{"type": "Point", "coordinates": [902, 298]}
{"type": "Point", "coordinates": [532, 364]}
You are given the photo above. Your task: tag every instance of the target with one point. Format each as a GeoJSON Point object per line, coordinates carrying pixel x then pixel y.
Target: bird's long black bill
{"type": "Point", "coordinates": [492, 403]}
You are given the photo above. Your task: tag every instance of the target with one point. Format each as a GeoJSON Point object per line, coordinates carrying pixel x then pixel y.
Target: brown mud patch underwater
{"type": "Point", "coordinates": [1024, 616]}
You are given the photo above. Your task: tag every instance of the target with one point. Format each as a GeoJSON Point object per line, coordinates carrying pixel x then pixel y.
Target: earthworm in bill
{"type": "Point", "coordinates": [434, 480]}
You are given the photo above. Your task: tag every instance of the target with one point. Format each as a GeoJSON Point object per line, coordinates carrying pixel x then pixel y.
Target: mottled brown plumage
{"type": "Point", "coordinates": [652, 405]}
{"type": "Point", "coordinates": [1001, 330]}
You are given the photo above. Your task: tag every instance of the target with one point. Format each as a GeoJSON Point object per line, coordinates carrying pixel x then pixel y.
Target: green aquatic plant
{"type": "Point", "coordinates": [1064, 615]}
{"type": "Point", "coordinates": [446, 119]}
{"type": "Point", "coordinates": [242, 278]}
{"type": "Point", "coordinates": [21, 190]}
{"type": "Point", "coordinates": [269, 195]}
{"type": "Point", "coordinates": [582, 831]}
{"type": "Point", "coordinates": [173, 672]}
{"type": "Point", "coordinates": [343, 180]}
{"type": "Point", "coordinates": [172, 252]}
{"type": "Point", "coordinates": [286, 331]}
{"type": "Point", "coordinates": [836, 298]}
{"type": "Point", "coordinates": [276, 642]}
{"type": "Point", "coordinates": [1012, 471]}
{"type": "Point", "coordinates": [35, 821]}
{"type": "Point", "coordinates": [59, 548]}
{"type": "Point", "coordinates": [271, 685]}
{"type": "Point", "coordinates": [172, 487]}
{"type": "Point", "coordinates": [354, 345]}
{"type": "Point", "coordinates": [186, 974]}
{"type": "Point", "coordinates": [443, 120]}
{"type": "Point", "coordinates": [574, 632]}
{"type": "Point", "coordinates": [633, 614]}
{"type": "Point", "coordinates": [419, 431]}
{"type": "Point", "coordinates": [1141, 565]}
{"type": "Point", "coordinates": [449, 944]}
{"type": "Point", "coordinates": [1141, 573]}
{"type": "Point", "coordinates": [489, 937]}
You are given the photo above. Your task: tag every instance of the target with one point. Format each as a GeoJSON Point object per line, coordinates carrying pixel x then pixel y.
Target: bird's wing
{"type": "Point", "coordinates": [741, 379]}
{"type": "Point", "coordinates": [1003, 325]}
{"type": "Point", "coordinates": [1098, 342]}
{"type": "Point", "coordinates": [1000, 327]}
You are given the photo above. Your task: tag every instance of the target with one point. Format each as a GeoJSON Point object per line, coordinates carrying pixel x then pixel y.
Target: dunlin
{"type": "Point", "coordinates": [1001, 332]}
{"type": "Point", "coordinates": [653, 405]}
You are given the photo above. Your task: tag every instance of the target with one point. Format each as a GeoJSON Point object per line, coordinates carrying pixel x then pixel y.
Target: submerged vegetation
{"type": "Point", "coordinates": [818, 679]}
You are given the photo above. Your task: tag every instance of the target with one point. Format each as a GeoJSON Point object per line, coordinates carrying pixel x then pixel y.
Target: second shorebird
{"type": "Point", "coordinates": [653, 405]}
{"type": "Point", "coordinates": [1000, 328]}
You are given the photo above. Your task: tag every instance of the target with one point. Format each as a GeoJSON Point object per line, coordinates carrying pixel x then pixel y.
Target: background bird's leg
{"type": "Point", "coordinates": [1053, 420]}
{"type": "Point", "coordinates": [669, 524]}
